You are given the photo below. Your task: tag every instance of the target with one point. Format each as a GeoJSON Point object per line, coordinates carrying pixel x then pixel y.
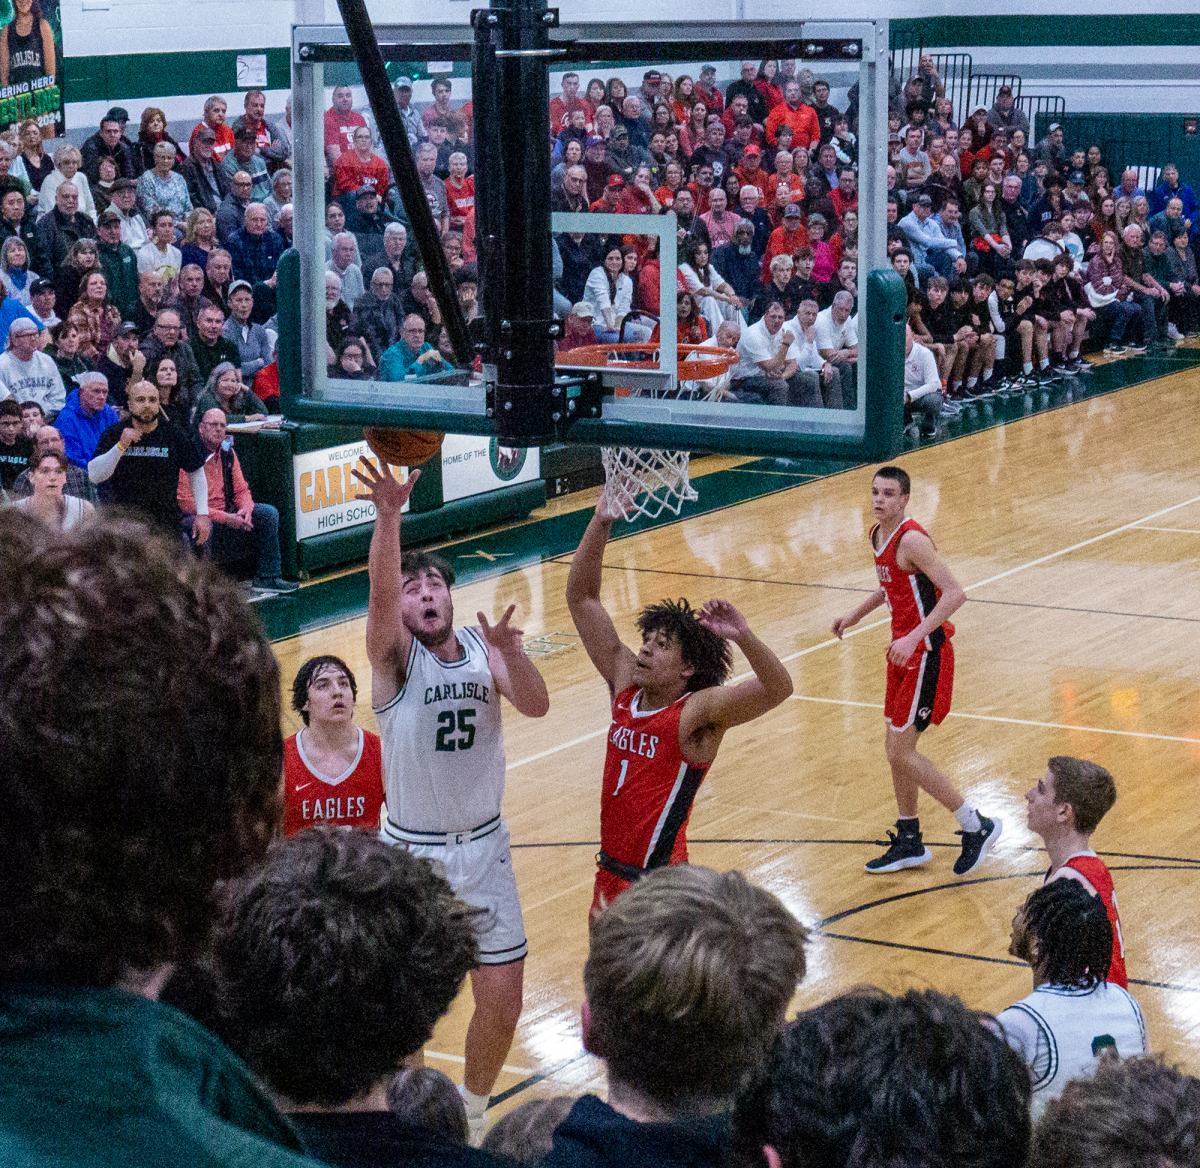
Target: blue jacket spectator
{"type": "Point", "coordinates": [254, 248]}
{"type": "Point", "coordinates": [1169, 187]}
{"type": "Point", "coordinates": [411, 353]}
{"type": "Point", "coordinates": [85, 417]}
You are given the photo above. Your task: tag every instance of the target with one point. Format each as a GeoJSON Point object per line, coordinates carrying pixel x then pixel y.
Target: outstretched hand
{"type": "Point", "coordinates": [608, 510]}
{"type": "Point", "coordinates": [720, 617]}
{"type": "Point", "coordinates": [502, 636]}
{"type": "Point", "coordinates": [388, 495]}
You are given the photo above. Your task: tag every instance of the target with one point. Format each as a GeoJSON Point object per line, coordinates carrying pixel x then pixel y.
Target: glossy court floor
{"type": "Point", "coordinates": [1076, 534]}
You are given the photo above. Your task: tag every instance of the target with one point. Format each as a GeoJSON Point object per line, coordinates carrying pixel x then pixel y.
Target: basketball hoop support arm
{"type": "Point", "coordinates": [511, 96]}
{"type": "Point", "coordinates": [363, 41]}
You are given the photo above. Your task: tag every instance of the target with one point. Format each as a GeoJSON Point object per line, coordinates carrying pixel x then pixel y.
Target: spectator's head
{"type": "Point", "coordinates": [241, 185]}
{"type": "Point", "coordinates": [343, 248]}
{"type": "Point", "coordinates": [441, 91]}
{"type": "Point", "coordinates": [1158, 242]}
{"type": "Point", "coordinates": [981, 287]}
{"type": "Point", "coordinates": [12, 206]}
{"type": "Point", "coordinates": [245, 145]}
{"type": "Point", "coordinates": [412, 332]}
{"type": "Point", "coordinates": [12, 424]}
{"type": "Point", "coordinates": [108, 228]}
{"type": "Point", "coordinates": [14, 255]}
{"type": "Point", "coordinates": [923, 207]}
{"type": "Point", "coordinates": [960, 291]}
{"type": "Point", "coordinates": [255, 105]}
{"type": "Point", "coordinates": [209, 322]}
{"type": "Point", "coordinates": [687, 979]}
{"type": "Point", "coordinates": [143, 401]}
{"type": "Point", "coordinates": [827, 158]}
{"type": "Point", "coordinates": [685, 203]}
{"type": "Point", "coordinates": [950, 212]}
{"type": "Point", "coordinates": [1132, 236]}
{"type": "Point", "coordinates": [281, 186]}
{"type": "Point", "coordinates": [840, 309]}
{"type": "Point", "coordinates": [1064, 933]}
{"type": "Point", "coordinates": [1010, 191]}
{"type": "Point", "coordinates": [743, 236]}
{"type": "Point", "coordinates": [341, 936]}
{"type": "Point", "coordinates": [382, 283]}
{"type": "Point", "coordinates": [1132, 1113]}
{"type": "Point", "coordinates": [395, 240]}
{"type": "Point", "coordinates": [125, 341]}
{"type": "Point", "coordinates": [167, 327]}
{"type": "Point", "coordinates": [124, 196]}
{"type": "Point", "coordinates": [241, 301]}
{"type": "Point", "coordinates": [869, 1079]}
{"type": "Point", "coordinates": [729, 332]}
{"type": "Point", "coordinates": [807, 312]}
{"type": "Point", "coordinates": [428, 1100]}
{"type": "Point", "coordinates": [33, 417]}
{"type": "Point", "coordinates": [212, 429]}
{"type": "Point", "coordinates": [1129, 181]}
{"type": "Point", "coordinates": [225, 383]}
{"type": "Point", "coordinates": [343, 99]}
{"type": "Point", "coordinates": [255, 219]}
{"type": "Point", "coordinates": [151, 288]}
{"type": "Point", "coordinates": [901, 262]}
{"type": "Point", "coordinates": [47, 438]}
{"type": "Point", "coordinates": [366, 200]}
{"type": "Point", "coordinates": [937, 289]}
{"type": "Point", "coordinates": [284, 225]}
{"type": "Point", "coordinates": [164, 157]}
{"type": "Point", "coordinates": [847, 180]}
{"type": "Point", "coordinates": [140, 625]}
{"type": "Point", "coordinates": [781, 268]}
{"type": "Point", "coordinates": [23, 341]}
{"type": "Point", "coordinates": [426, 157]}
{"type": "Point", "coordinates": [805, 260]}
{"type": "Point", "coordinates": [351, 357]}
{"type": "Point", "coordinates": [164, 372]}
{"type": "Point", "coordinates": [202, 144]}
{"type": "Point", "coordinates": [66, 199]}
{"type": "Point", "coordinates": [67, 160]}
{"type": "Point", "coordinates": [191, 280]}
{"type": "Point", "coordinates": [42, 297]}
{"type": "Point", "coordinates": [93, 392]}
{"type": "Point", "coordinates": [526, 1134]}
{"type": "Point", "coordinates": [214, 110]}
{"type": "Point", "coordinates": [816, 226]}
{"type": "Point", "coordinates": [162, 226]}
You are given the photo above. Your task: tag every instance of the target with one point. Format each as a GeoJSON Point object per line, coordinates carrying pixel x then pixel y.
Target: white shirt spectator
{"type": "Point", "coordinates": [54, 180]}
{"type": "Point", "coordinates": [134, 233]}
{"type": "Point", "coordinates": [37, 379]}
{"type": "Point", "coordinates": [352, 282]}
{"type": "Point", "coordinates": [596, 293]}
{"type": "Point", "coordinates": [758, 345]}
{"type": "Point", "coordinates": [1055, 1030]}
{"type": "Point", "coordinates": [803, 351]}
{"type": "Point", "coordinates": [1042, 249]}
{"type": "Point", "coordinates": [836, 336]}
{"type": "Point", "coordinates": [1074, 245]}
{"type": "Point", "coordinates": [921, 373]}
{"type": "Point", "coordinates": [165, 263]}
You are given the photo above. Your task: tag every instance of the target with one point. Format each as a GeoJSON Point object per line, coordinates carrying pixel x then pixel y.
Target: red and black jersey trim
{"type": "Point", "coordinates": [677, 815]}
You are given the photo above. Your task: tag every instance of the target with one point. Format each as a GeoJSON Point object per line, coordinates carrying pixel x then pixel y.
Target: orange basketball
{"type": "Point", "coordinates": [403, 447]}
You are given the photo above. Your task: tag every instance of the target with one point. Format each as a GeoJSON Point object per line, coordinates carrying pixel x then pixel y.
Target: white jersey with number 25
{"type": "Point", "coordinates": [443, 750]}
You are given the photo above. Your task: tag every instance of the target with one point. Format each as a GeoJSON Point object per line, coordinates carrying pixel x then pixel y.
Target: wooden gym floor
{"type": "Point", "coordinates": [1076, 535]}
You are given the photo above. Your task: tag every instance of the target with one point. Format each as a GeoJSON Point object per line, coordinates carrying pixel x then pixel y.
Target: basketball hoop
{"type": "Point", "coordinates": [637, 480]}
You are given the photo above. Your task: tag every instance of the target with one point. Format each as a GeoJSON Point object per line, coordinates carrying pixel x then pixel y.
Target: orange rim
{"type": "Point", "coordinates": [714, 362]}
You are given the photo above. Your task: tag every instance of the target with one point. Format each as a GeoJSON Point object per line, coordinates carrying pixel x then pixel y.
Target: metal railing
{"type": "Point", "coordinates": [955, 71]}
{"type": "Point", "coordinates": [983, 89]}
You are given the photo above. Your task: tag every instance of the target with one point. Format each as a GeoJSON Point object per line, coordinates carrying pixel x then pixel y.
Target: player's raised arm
{"type": "Point", "coordinates": [712, 711]}
{"type": "Point", "coordinates": [388, 641]}
{"type": "Point", "coordinates": [916, 553]}
{"type": "Point", "coordinates": [516, 677]}
{"type": "Point", "coordinates": [612, 659]}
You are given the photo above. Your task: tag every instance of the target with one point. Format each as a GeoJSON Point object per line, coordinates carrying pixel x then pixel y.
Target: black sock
{"type": "Point", "coordinates": [909, 825]}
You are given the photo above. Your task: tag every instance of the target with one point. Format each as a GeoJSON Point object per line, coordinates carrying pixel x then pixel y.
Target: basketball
{"type": "Point", "coordinates": [403, 447]}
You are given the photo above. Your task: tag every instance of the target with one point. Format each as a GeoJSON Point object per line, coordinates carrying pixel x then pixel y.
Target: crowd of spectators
{"type": "Point", "coordinates": [211, 992]}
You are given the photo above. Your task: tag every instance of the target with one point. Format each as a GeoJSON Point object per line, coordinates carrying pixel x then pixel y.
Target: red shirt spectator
{"type": "Point", "coordinates": [352, 171]}
{"type": "Point", "coordinates": [563, 106]}
{"type": "Point", "coordinates": [794, 181]}
{"type": "Point", "coordinates": [806, 129]}
{"type": "Point", "coordinates": [460, 196]}
{"type": "Point", "coordinates": [223, 144]}
{"type": "Point", "coordinates": [705, 91]}
{"type": "Point", "coordinates": [756, 177]}
{"type": "Point", "coordinates": [784, 240]}
{"type": "Point", "coordinates": [843, 203]}
{"type": "Point", "coordinates": [339, 129]}
{"type": "Point", "coordinates": [700, 194]}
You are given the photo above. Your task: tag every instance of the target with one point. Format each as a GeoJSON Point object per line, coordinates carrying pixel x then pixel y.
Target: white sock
{"type": "Point", "coordinates": [1074, 354]}
{"type": "Point", "coordinates": [1045, 363]}
{"type": "Point", "coordinates": [476, 1104]}
{"type": "Point", "coordinates": [972, 382]}
{"type": "Point", "coordinates": [1027, 367]}
{"type": "Point", "coordinates": [987, 375]}
{"type": "Point", "coordinates": [968, 818]}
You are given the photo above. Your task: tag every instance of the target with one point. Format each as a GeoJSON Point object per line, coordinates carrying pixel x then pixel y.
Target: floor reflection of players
{"type": "Point", "coordinates": [26, 46]}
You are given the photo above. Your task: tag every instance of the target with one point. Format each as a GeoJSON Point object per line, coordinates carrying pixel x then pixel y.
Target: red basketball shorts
{"type": "Point", "coordinates": [919, 692]}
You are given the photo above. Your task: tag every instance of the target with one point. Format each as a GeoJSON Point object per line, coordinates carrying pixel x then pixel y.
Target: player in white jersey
{"type": "Point", "coordinates": [436, 692]}
{"type": "Point", "coordinates": [1074, 1015]}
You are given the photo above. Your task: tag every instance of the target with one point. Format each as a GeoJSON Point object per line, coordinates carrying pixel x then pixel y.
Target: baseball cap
{"type": "Point", "coordinates": [402, 83]}
{"type": "Point", "coordinates": [652, 75]}
{"type": "Point", "coordinates": [583, 308]}
{"type": "Point", "coordinates": [595, 140]}
{"type": "Point", "coordinates": [619, 132]}
{"type": "Point", "coordinates": [615, 181]}
{"type": "Point", "coordinates": [22, 324]}
{"type": "Point", "coordinates": [123, 184]}
{"type": "Point", "coordinates": [239, 284]}
{"type": "Point", "coordinates": [116, 114]}
{"type": "Point", "coordinates": [925, 201]}
{"type": "Point", "coordinates": [126, 328]}
{"type": "Point", "coordinates": [752, 150]}
{"type": "Point", "coordinates": [707, 69]}
{"type": "Point", "coordinates": [108, 216]}
{"type": "Point", "coordinates": [40, 286]}
{"type": "Point", "coordinates": [245, 134]}
{"type": "Point", "coordinates": [1053, 126]}
{"type": "Point", "coordinates": [364, 190]}
{"type": "Point", "coordinates": [792, 211]}
{"type": "Point", "coordinates": [206, 134]}
{"type": "Point", "coordinates": [1076, 176]}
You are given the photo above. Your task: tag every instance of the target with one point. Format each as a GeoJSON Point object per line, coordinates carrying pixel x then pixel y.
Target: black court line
{"type": "Point", "coordinates": [534, 1079]}
{"type": "Point", "coordinates": [847, 588]}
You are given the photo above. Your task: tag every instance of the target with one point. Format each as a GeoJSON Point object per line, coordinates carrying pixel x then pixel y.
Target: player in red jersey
{"type": "Point", "coordinates": [332, 769]}
{"type": "Point", "coordinates": [1065, 807]}
{"type": "Point", "coordinates": [670, 710]}
{"type": "Point", "coordinates": [921, 593]}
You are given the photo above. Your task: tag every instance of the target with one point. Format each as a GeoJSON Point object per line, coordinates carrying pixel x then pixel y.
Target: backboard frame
{"type": "Point", "coordinates": [451, 402]}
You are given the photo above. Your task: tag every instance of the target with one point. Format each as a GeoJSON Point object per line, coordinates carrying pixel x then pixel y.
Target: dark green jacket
{"type": "Point", "coordinates": [208, 357]}
{"type": "Point", "coordinates": [121, 272]}
{"type": "Point", "coordinates": [105, 1079]}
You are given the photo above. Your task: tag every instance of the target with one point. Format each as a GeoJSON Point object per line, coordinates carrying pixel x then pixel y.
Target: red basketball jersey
{"type": "Point", "coordinates": [1096, 873]}
{"type": "Point", "coordinates": [649, 785]}
{"type": "Point", "coordinates": [911, 596]}
{"type": "Point", "coordinates": [351, 800]}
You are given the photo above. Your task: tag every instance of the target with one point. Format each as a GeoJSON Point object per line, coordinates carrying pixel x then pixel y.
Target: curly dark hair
{"type": "Point", "coordinates": [869, 1080]}
{"type": "Point", "coordinates": [158, 778]}
{"type": "Point", "coordinates": [1068, 936]}
{"type": "Point", "coordinates": [338, 955]}
{"type": "Point", "coordinates": [413, 563]}
{"type": "Point", "coordinates": [308, 671]}
{"type": "Point", "coordinates": [1133, 1113]}
{"type": "Point", "coordinates": [709, 655]}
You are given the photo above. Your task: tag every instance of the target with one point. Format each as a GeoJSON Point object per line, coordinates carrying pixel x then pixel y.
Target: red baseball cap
{"type": "Point", "coordinates": [615, 180]}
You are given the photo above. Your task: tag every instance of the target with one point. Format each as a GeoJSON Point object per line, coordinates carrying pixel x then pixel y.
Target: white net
{"type": "Point", "coordinates": [646, 482]}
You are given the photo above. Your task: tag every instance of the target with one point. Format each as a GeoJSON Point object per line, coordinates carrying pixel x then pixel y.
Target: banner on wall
{"type": "Point", "coordinates": [327, 493]}
{"type": "Point", "coordinates": [31, 65]}
{"type": "Point", "coordinates": [473, 464]}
